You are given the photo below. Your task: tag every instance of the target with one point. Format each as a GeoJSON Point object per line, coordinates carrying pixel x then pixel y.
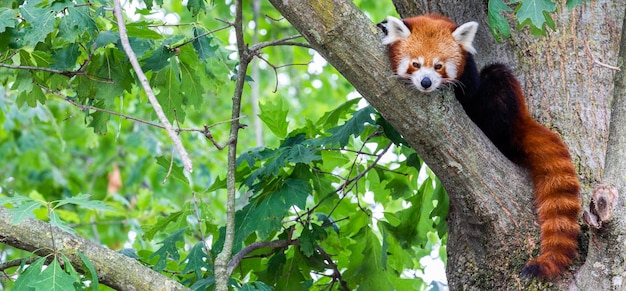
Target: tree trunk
{"type": "Point", "coordinates": [492, 228]}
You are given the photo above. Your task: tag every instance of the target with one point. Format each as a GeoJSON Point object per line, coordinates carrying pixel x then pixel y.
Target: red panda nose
{"type": "Point", "coordinates": [426, 82]}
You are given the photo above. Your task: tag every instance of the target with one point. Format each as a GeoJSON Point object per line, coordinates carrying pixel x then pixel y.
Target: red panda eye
{"type": "Point", "coordinates": [416, 65]}
{"type": "Point", "coordinates": [438, 66]}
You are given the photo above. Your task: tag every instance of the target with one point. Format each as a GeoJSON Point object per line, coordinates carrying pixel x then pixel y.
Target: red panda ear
{"type": "Point", "coordinates": [464, 35]}
{"type": "Point", "coordinates": [396, 30]}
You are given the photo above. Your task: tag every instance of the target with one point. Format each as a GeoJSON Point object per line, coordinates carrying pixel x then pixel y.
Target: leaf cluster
{"type": "Point", "coordinates": [534, 14]}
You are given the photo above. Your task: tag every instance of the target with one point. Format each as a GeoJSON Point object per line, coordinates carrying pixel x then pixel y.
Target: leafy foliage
{"type": "Point", "coordinates": [535, 14]}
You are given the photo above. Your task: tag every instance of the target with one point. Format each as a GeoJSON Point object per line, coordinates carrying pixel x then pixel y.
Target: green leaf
{"type": "Point", "coordinates": [99, 119]}
{"type": "Point", "coordinates": [65, 58]}
{"type": "Point", "coordinates": [106, 37]}
{"type": "Point", "coordinates": [202, 45]}
{"type": "Point", "coordinates": [333, 159]}
{"type": "Point", "coordinates": [168, 250]}
{"type": "Point", "coordinates": [29, 275]}
{"type": "Point", "coordinates": [28, 93]}
{"type": "Point", "coordinates": [57, 222]}
{"type": "Point", "coordinates": [204, 284]}
{"type": "Point", "coordinates": [41, 19]}
{"type": "Point", "coordinates": [256, 286]}
{"type": "Point", "coordinates": [176, 171]}
{"type": "Point", "coordinates": [141, 29]}
{"type": "Point", "coordinates": [75, 23]}
{"type": "Point", "coordinates": [274, 115]}
{"type": "Point", "coordinates": [498, 24]}
{"type": "Point", "coordinates": [115, 67]}
{"type": "Point", "coordinates": [83, 201]}
{"type": "Point", "coordinates": [331, 118]}
{"type": "Point", "coordinates": [307, 242]}
{"type": "Point", "coordinates": [197, 260]}
{"type": "Point", "coordinates": [23, 211]}
{"type": "Point", "coordinates": [571, 4]}
{"type": "Point", "coordinates": [17, 199]}
{"type": "Point", "coordinates": [264, 214]}
{"type": "Point", "coordinates": [275, 160]}
{"type": "Point", "coordinates": [53, 278]}
{"type": "Point", "coordinates": [536, 14]}
{"type": "Point", "coordinates": [92, 271]}
{"type": "Point", "coordinates": [140, 45]}
{"type": "Point", "coordinates": [391, 132]}
{"type": "Point", "coordinates": [157, 60]}
{"type": "Point", "coordinates": [196, 6]}
{"type": "Point", "coordinates": [263, 217]}
{"type": "Point", "coordinates": [8, 18]}
{"type": "Point", "coordinates": [169, 96]}
{"type": "Point", "coordinates": [392, 218]}
{"type": "Point", "coordinates": [191, 75]}
{"type": "Point", "coordinates": [354, 126]}
{"type": "Point", "coordinates": [294, 192]}
{"type": "Point", "coordinates": [366, 267]}
{"type": "Point", "coordinates": [162, 223]}
{"type": "Point", "coordinates": [303, 154]}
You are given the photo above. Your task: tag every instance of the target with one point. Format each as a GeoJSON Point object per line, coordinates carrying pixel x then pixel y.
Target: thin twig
{"type": "Point", "coordinates": [68, 74]}
{"type": "Point", "coordinates": [221, 272]}
{"type": "Point", "coordinates": [88, 107]}
{"type": "Point", "coordinates": [255, 246]}
{"type": "Point", "coordinates": [595, 60]}
{"type": "Point", "coordinates": [352, 182]}
{"type": "Point", "coordinates": [336, 273]}
{"type": "Point", "coordinates": [205, 130]}
{"type": "Point", "coordinates": [275, 68]}
{"type": "Point", "coordinates": [282, 41]}
{"type": "Point", "coordinates": [31, 68]}
{"type": "Point", "coordinates": [15, 263]}
{"type": "Point", "coordinates": [201, 36]}
{"type": "Point", "coordinates": [184, 156]}
{"type": "Point", "coordinates": [209, 136]}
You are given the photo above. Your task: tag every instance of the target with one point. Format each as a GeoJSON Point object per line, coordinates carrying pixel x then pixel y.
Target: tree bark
{"type": "Point", "coordinates": [605, 267]}
{"type": "Point", "coordinates": [492, 228]}
{"type": "Point", "coordinates": [114, 269]}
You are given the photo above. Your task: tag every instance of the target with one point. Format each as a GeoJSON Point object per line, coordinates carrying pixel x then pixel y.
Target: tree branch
{"type": "Point", "coordinates": [68, 74]}
{"type": "Point", "coordinates": [221, 262]}
{"type": "Point", "coordinates": [236, 260]}
{"type": "Point", "coordinates": [114, 269]}
{"type": "Point", "coordinates": [184, 156]}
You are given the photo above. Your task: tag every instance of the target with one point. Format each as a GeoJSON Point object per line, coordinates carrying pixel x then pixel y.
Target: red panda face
{"type": "Point", "coordinates": [429, 50]}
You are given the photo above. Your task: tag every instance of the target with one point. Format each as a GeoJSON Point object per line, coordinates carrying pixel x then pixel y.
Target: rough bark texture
{"type": "Point", "coordinates": [114, 269]}
{"type": "Point", "coordinates": [605, 267]}
{"type": "Point", "coordinates": [492, 229]}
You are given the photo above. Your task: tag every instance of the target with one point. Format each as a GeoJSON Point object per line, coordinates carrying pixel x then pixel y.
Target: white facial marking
{"type": "Point", "coordinates": [420, 60]}
{"type": "Point", "coordinates": [403, 67]}
{"type": "Point", "coordinates": [451, 69]}
{"type": "Point", "coordinates": [421, 77]}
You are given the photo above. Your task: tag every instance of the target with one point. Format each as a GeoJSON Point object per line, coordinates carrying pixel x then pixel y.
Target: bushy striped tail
{"type": "Point", "coordinates": [557, 199]}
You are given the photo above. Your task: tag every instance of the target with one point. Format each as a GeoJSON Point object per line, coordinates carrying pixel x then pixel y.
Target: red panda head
{"type": "Point", "coordinates": [429, 50]}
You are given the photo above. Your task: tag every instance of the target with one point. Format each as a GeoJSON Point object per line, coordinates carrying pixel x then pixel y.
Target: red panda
{"type": "Point", "coordinates": [432, 51]}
